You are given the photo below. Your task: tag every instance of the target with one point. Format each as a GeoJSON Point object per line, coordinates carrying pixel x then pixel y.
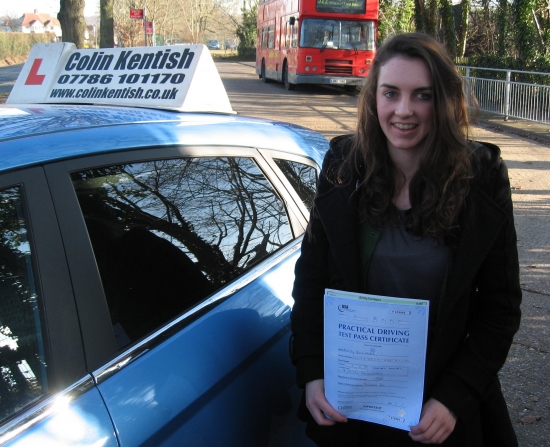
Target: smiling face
{"type": "Point", "coordinates": [404, 103]}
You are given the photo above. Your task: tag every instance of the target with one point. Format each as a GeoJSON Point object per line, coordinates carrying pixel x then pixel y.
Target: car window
{"type": "Point", "coordinates": [23, 377]}
{"type": "Point", "coordinates": [168, 233]}
{"type": "Point", "coordinates": [303, 179]}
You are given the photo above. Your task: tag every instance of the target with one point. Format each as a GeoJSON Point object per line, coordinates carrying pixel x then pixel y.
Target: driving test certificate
{"type": "Point", "coordinates": [375, 356]}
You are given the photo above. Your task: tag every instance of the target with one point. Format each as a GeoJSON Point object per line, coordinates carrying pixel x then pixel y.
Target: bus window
{"type": "Point", "coordinates": [271, 36]}
{"type": "Point", "coordinates": [268, 37]}
{"type": "Point", "coordinates": [263, 42]}
{"type": "Point", "coordinates": [288, 31]}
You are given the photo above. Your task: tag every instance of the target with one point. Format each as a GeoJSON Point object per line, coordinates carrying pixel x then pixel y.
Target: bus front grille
{"type": "Point", "coordinates": [338, 67]}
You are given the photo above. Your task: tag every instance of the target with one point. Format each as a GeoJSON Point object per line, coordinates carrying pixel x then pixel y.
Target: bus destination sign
{"type": "Point", "coordinates": [339, 6]}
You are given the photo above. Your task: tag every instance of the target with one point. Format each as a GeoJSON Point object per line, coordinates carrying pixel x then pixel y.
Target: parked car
{"type": "Point", "coordinates": [146, 272]}
{"type": "Point", "coordinates": [213, 44]}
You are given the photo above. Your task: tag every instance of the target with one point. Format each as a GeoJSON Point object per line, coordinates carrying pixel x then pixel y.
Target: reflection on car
{"type": "Point", "coordinates": [177, 230]}
{"type": "Point", "coordinates": [146, 267]}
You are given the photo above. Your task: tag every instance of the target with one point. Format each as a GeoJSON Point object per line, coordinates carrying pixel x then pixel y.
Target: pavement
{"type": "Point", "coordinates": [527, 129]}
{"type": "Point", "coordinates": [524, 377]}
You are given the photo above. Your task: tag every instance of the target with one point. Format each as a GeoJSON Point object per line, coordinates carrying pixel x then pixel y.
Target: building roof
{"type": "Point", "coordinates": [45, 19]}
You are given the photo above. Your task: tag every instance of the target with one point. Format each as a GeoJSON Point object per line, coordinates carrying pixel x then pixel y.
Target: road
{"type": "Point", "coordinates": [8, 75]}
{"type": "Point", "coordinates": [332, 112]}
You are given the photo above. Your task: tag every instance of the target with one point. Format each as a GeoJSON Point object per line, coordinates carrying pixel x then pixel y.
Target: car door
{"type": "Point", "coordinates": [187, 254]}
{"type": "Point", "coordinates": [46, 396]}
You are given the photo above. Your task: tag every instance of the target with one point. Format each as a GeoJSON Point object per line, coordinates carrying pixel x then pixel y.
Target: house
{"type": "Point", "coordinates": [36, 23]}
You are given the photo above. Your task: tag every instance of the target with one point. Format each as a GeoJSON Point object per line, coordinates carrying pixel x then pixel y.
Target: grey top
{"type": "Point", "coordinates": [407, 266]}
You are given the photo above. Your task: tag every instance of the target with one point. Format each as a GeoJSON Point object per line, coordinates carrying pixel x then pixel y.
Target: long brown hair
{"type": "Point", "coordinates": [438, 189]}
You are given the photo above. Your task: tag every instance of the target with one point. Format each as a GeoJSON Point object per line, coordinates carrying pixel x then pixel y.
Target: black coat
{"type": "Point", "coordinates": [477, 316]}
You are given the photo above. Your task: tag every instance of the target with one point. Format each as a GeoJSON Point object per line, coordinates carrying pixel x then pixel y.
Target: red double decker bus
{"type": "Point", "coordinates": [316, 41]}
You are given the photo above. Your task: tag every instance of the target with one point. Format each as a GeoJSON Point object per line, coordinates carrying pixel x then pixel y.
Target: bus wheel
{"type": "Point", "coordinates": [288, 85]}
{"type": "Point", "coordinates": [263, 74]}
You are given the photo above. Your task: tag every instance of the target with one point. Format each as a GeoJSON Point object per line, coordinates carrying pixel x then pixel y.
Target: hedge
{"type": "Point", "coordinates": [17, 46]}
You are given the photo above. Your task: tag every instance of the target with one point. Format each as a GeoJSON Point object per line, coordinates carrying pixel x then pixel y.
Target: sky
{"type": "Point", "coordinates": [19, 7]}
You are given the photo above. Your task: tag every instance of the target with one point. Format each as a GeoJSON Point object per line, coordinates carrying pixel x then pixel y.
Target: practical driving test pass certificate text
{"type": "Point", "coordinates": [375, 355]}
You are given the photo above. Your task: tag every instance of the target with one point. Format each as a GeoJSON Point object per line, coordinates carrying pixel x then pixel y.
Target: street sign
{"type": "Point", "coordinates": [137, 14]}
{"type": "Point", "coordinates": [149, 28]}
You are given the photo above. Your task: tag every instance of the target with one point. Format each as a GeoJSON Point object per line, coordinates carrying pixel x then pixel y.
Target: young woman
{"type": "Point", "coordinates": [408, 207]}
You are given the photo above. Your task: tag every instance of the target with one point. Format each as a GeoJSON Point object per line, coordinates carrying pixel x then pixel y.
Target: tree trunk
{"type": "Point", "coordinates": [448, 23]}
{"type": "Point", "coordinates": [107, 35]}
{"type": "Point", "coordinates": [431, 22]}
{"type": "Point", "coordinates": [420, 16]}
{"type": "Point", "coordinates": [463, 27]}
{"type": "Point", "coordinates": [71, 17]}
{"type": "Point", "coordinates": [502, 27]}
{"type": "Point", "coordinates": [524, 30]}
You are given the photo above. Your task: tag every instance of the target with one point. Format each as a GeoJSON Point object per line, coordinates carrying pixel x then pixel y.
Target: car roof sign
{"type": "Point", "coordinates": [179, 77]}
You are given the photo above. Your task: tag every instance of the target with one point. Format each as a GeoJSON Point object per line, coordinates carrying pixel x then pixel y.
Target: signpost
{"type": "Point", "coordinates": [141, 14]}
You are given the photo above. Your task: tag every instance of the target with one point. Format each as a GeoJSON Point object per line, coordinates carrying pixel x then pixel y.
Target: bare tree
{"type": "Point", "coordinates": [10, 19]}
{"type": "Point", "coordinates": [225, 19]}
{"type": "Point", "coordinates": [165, 14]}
{"type": "Point", "coordinates": [184, 20]}
{"type": "Point", "coordinates": [216, 17]}
{"type": "Point", "coordinates": [481, 29]}
{"type": "Point", "coordinates": [196, 14]}
{"type": "Point", "coordinates": [71, 17]}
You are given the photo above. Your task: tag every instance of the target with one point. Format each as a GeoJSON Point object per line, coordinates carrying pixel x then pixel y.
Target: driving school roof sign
{"type": "Point", "coordinates": [181, 77]}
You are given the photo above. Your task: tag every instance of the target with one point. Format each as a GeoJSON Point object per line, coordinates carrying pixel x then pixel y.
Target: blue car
{"type": "Point", "coordinates": [146, 271]}
{"type": "Point", "coordinates": [213, 45]}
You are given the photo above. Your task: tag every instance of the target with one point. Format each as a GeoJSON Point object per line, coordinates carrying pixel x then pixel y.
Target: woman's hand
{"type": "Point", "coordinates": [318, 405]}
{"type": "Point", "coordinates": [437, 422]}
